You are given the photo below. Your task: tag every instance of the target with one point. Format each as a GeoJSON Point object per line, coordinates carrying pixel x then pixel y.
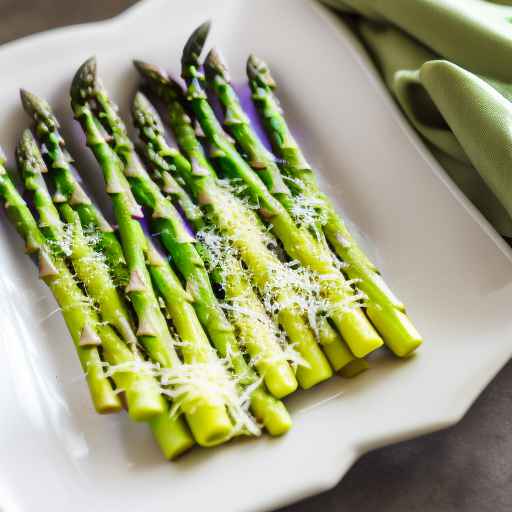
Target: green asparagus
{"type": "Point", "coordinates": [171, 435]}
{"type": "Point", "coordinates": [67, 185]}
{"type": "Point", "coordinates": [240, 225]}
{"type": "Point", "coordinates": [242, 284]}
{"type": "Point", "coordinates": [141, 390]}
{"type": "Point", "coordinates": [82, 322]}
{"type": "Point", "coordinates": [384, 309]}
{"type": "Point", "coordinates": [264, 163]}
{"type": "Point", "coordinates": [258, 337]}
{"type": "Point", "coordinates": [343, 307]}
{"type": "Point", "coordinates": [167, 222]}
{"type": "Point", "coordinates": [206, 417]}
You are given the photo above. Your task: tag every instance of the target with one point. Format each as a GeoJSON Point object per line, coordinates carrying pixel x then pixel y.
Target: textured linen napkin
{"type": "Point", "coordinates": [448, 63]}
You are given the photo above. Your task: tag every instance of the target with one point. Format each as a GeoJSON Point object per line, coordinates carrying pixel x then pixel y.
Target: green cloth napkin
{"type": "Point", "coordinates": [448, 63]}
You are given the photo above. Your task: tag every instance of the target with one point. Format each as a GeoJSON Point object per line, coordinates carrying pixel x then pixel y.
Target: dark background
{"type": "Point", "coordinates": [467, 468]}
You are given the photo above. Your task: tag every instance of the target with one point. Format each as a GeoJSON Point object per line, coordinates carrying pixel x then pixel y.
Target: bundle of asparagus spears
{"type": "Point", "coordinates": [228, 280]}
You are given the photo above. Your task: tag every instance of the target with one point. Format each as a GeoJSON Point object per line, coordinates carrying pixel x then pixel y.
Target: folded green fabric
{"type": "Point", "coordinates": [448, 63]}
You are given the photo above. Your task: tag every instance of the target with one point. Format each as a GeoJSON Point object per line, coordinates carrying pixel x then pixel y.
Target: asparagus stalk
{"type": "Point", "coordinates": [172, 436]}
{"type": "Point", "coordinates": [67, 185]}
{"type": "Point", "coordinates": [206, 419]}
{"type": "Point", "coordinates": [300, 245]}
{"type": "Point", "coordinates": [80, 317]}
{"type": "Point", "coordinates": [168, 161]}
{"type": "Point", "coordinates": [141, 389]}
{"type": "Point", "coordinates": [196, 348]}
{"type": "Point", "coordinates": [264, 163]}
{"type": "Point", "coordinates": [168, 224]}
{"type": "Point", "coordinates": [259, 338]}
{"type": "Point", "coordinates": [384, 309]}
{"type": "Point", "coordinates": [239, 126]}
{"type": "Point", "coordinates": [237, 223]}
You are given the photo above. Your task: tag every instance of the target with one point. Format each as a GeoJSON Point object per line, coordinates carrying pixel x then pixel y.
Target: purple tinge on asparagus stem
{"type": "Point", "coordinates": [245, 95]}
{"type": "Point", "coordinates": [215, 65]}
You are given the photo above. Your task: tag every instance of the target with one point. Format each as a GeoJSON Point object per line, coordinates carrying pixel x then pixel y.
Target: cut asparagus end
{"type": "Point", "coordinates": [358, 332]}
{"type": "Point", "coordinates": [210, 425]}
{"type": "Point", "coordinates": [104, 398]}
{"type": "Point", "coordinates": [280, 379]}
{"type": "Point", "coordinates": [143, 397]}
{"type": "Point", "coordinates": [193, 48]}
{"type": "Point", "coordinates": [171, 434]}
{"type": "Point", "coordinates": [317, 371]}
{"type": "Point", "coordinates": [318, 368]}
{"type": "Point", "coordinates": [398, 331]}
{"type": "Point", "coordinates": [338, 355]}
{"type": "Point", "coordinates": [143, 404]}
{"type": "Point", "coordinates": [334, 347]}
{"type": "Point", "coordinates": [354, 368]}
{"type": "Point", "coordinates": [271, 412]}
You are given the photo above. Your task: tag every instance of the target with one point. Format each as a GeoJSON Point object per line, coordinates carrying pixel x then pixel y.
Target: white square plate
{"type": "Point", "coordinates": [452, 270]}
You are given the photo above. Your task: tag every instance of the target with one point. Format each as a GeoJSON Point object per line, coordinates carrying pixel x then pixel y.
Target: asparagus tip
{"type": "Point", "coordinates": [158, 80]}
{"type": "Point", "coordinates": [194, 47]}
{"type": "Point", "coordinates": [28, 154]}
{"type": "Point", "coordinates": [140, 103]}
{"type": "Point", "coordinates": [84, 80]}
{"type": "Point", "coordinates": [150, 72]}
{"type": "Point", "coordinates": [216, 65]}
{"type": "Point", "coordinates": [259, 71]}
{"type": "Point", "coordinates": [145, 114]}
{"type": "Point", "coordinates": [38, 109]}
{"type": "Point", "coordinates": [29, 101]}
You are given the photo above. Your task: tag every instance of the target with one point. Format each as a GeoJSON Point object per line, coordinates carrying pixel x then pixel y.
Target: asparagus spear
{"type": "Point", "coordinates": [169, 225]}
{"type": "Point", "coordinates": [196, 349]}
{"type": "Point", "coordinates": [298, 243]}
{"type": "Point", "coordinates": [99, 284]}
{"type": "Point", "coordinates": [239, 126]}
{"type": "Point", "coordinates": [259, 338]}
{"type": "Point", "coordinates": [264, 163]}
{"type": "Point", "coordinates": [141, 390]}
{"type": "Point", "coordinates": [384, 309]}
{"type": "Point", "coordinates": [206, 417]}
{"type": "Point", "coordinates": [81, 319]}
{"type": "Point", "coordinates": [247, 233]}
{"type": "Point", "coordinates": [67, 186]}
{"type": "Point", "coordinates": [172, 436]}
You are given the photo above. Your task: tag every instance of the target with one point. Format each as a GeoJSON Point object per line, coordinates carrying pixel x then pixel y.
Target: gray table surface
{"type": "Point", "coordinates": [466, 468]}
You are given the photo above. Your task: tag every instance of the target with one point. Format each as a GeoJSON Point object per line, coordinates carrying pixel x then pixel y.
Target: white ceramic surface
{"type": "Point", "coordinates": [438, 253]}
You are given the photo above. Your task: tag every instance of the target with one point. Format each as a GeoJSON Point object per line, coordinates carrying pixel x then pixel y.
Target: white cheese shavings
{"type": "Point", "coordinates": [190, 386]}
{"type": "Point", "coordinates": [308, 212]}
{"type": "Point", "coordinates": [222, 255]}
